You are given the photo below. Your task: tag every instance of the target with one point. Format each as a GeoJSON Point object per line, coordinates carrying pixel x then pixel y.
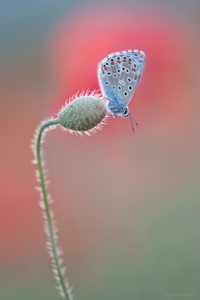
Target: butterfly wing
{"type": "Point", "coordinates": [119, 74]}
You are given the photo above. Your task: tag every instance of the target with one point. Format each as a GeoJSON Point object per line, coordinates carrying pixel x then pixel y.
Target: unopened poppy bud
{"type": "Point", "coordinates": [85, 113]}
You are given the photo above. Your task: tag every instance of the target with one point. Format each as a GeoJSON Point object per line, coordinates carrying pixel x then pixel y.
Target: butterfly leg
{"type": "Point", "coordinates": [132, 126]}
{"type": "Point", "coordinates": [112, 115]}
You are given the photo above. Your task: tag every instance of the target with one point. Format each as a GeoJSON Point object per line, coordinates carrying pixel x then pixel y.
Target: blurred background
{"type": "Point", "coordinates": [127, 206]}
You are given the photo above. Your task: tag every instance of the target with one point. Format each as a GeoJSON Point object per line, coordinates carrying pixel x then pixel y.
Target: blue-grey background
{"type": "Point", "coordinates": [127, 206]}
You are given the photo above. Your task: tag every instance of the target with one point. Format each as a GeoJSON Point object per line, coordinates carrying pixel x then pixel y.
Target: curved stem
{"type": "Point", "coordinates": [64, 287]}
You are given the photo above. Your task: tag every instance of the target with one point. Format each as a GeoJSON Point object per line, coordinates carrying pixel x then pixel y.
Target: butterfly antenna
{"type": "Point", "coordinates": [133, 120]}
{"type": "Point", "coordinates": [132, 126]}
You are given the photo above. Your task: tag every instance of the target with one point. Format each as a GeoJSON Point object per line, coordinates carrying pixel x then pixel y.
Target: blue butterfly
{"type": "Point", "coordinates": [119, 74]}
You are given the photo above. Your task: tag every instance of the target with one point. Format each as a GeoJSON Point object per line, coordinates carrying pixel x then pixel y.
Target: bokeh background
{"type": "Point", "coordinates": [127, 206]}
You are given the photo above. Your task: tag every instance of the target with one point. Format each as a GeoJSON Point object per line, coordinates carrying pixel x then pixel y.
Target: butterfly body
{"type": "Point", "coordinates": [119, 74]}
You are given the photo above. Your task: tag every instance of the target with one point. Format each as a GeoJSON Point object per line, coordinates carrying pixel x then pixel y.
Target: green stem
{"type": "Point", "coordinates": [54, 251]}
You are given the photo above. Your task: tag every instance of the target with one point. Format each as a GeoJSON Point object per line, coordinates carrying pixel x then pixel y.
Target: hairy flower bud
{"type": "Point", "coordinates": [85, 113]}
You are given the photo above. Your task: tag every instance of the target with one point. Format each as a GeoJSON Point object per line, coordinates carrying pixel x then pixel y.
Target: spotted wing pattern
{"type": "Point", "coordinates": [119, 74]}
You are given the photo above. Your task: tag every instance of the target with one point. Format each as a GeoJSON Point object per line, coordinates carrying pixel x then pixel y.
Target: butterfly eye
{"type": "Point", "coordinates": [113, 87]}
{"type": "Point", "coordinates": [107, 64]}
{"type": "Point", "coordinates": [118, 71]}
{"type": "Point", "coordinates": [115, 75]}
{"type": "Point", "coordinates": [112, 59]}
{"type": "Point", "coordinates": [123, 69]}
{"type": "Point", "coordinates": [106, 82]}
{"type": "Point", "coordinates": [119, 87]}
{"type": "Point", "coordinates": [129, 79]}
{"type": "Point", "coordinates": [136, 54]}
{"type": "Point", "coordinates": [130, 88]}
{"type": "Point", "coordinates": [127, 71]}
{"type": "Point", "coordinates": [125, 94]}
{"type": "Point", "coordinates": [125, 112]}
{"type": "Point", "coordinates": [109, 73]}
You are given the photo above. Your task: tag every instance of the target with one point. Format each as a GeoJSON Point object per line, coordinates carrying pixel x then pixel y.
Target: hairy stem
{"type": "Point", "coordinates": [54, 251]}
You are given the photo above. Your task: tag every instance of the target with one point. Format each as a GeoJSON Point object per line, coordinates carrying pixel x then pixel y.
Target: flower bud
{"type": "Point", "coordinates": [84, 113]}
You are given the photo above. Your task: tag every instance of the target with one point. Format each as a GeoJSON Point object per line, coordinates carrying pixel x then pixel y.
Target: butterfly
{"type": "Point", "coordinates": [119, 74]}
